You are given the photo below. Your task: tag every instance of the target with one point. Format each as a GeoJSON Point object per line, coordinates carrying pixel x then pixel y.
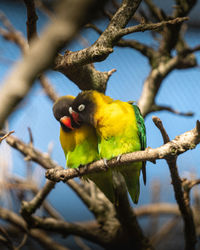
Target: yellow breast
{"type": "Point", "coordinates": [115, 118]}
{"type": "Point", "coordinates": [69, 140]}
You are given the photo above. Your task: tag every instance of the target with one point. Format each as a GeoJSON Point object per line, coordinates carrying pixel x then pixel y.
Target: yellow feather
{"type": "Point", "coordinates": [112, 112]}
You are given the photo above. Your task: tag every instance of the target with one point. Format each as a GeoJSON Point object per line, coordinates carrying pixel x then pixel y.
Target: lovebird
{"type": "Point", "coordinates": [80, 145]}
{"type": "Point", "coordinates": [120, 128]}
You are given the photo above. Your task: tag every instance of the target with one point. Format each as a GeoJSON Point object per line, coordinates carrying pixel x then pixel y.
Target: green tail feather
{"type": "Point", "coordinates": [104, 182]}
{"type": "Point", "coordinates": [131, 177]}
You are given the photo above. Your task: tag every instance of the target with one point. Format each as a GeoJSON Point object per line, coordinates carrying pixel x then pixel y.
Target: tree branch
{"type": "Point", "coordinates": [32, 18]}
{"type": "Point", "coordinates": [151, 26]}
{"type": "Point", "coordinates": [28, 208]}
{"type": "Point", "coordinates": [89, 232]}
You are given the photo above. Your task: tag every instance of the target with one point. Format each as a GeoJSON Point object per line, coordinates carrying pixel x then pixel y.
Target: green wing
{"type": "Point", "coordinates": [142, 136]}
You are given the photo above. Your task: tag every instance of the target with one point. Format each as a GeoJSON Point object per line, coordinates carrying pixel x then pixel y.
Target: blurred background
{"type": "Point", "coordinates": [180, 90]}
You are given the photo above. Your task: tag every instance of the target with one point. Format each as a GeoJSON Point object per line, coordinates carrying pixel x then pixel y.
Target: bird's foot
{"type": "Point", "coordinates": [77, 170]}
{"type": "Point", "coordinates": [84, 167]}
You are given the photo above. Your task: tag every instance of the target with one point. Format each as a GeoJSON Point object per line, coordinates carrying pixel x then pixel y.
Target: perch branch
{"type": "Point", "coordinates": [179, 145]}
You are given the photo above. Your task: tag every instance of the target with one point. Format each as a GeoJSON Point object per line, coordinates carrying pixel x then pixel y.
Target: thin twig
{"type": "Point", "coordinates": [167, 108]}
{"type": "Point", "coordinates": [6, 135]}
{"type": "Point", "coordinates": [152, 26]}
{"type": "Point", "coordinates": [36, 234]}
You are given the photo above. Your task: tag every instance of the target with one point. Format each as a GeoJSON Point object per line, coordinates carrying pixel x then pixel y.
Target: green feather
{"type": "Point", "coordinates": [85, 153]}
{"type": "Point", "coordinates": [142, 136]}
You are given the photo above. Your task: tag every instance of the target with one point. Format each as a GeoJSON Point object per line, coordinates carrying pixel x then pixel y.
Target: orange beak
{"type": "Point", "coordinates": [66, 120]}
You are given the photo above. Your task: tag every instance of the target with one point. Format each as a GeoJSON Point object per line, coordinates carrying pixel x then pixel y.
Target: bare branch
{"type": "Point", "coordinates": [39, 235]}
{"type": "Point", "coordinates": [11, 34]}
{"type": "Point", "coordinates": [6, 135]}
{"type": "Point", "coordinates": [28, 208]}
{"type": "Point", "coordinates": [31, 23]}
{"type": "Point", "coordinates": [157, 208]}
{"type": "Point", "coordinates": [49, 90]}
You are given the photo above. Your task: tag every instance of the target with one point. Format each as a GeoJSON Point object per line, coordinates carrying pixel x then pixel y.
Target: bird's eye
{"type": "Point", "coordinates": [81, 107]}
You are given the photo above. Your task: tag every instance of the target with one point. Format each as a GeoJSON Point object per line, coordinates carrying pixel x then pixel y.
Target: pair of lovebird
{"type": "Point", "coordinates": [93, 127]}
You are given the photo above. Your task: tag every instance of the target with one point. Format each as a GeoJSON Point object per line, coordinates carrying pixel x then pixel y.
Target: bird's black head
{"type": "Point", "coordinates": [61, 113]}
{"type": "Point", "coordinates": [83, 108]}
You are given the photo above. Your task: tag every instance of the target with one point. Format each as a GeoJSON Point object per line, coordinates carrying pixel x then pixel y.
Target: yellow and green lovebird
{"type": "Point", "coordinates": [80, 146]}
{"type": "Point", "coordinates": [120, 129]}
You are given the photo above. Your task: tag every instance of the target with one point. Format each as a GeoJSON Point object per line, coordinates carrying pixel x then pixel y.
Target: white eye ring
{"type": "Point", "coordinates": [81, 107]}
{"type": "Point", "coordinates": [70, 110]}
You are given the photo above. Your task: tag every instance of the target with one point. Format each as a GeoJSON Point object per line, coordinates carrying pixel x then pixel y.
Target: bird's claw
{"type": "Point", "coordinates": [118, 158]}
{"type": "Point", "coordinates": [105, 163]}
{"type": "Point", "coordinates": [84, 167]}
{"type": "Point", "coordinates": [77, 170]}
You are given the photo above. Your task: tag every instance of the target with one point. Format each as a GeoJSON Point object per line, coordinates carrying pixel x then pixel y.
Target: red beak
{"type": "Point", "coordinates": [75, 117]}
{"type": "Point", "coordinates": [66, 120]}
